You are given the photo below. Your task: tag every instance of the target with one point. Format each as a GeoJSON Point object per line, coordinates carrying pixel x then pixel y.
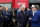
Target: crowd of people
{"type": "Point", "coordinates": [23, 17]}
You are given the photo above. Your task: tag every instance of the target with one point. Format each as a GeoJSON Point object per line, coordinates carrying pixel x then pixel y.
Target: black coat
{"type": "Point", "coordinates": [22, 18]}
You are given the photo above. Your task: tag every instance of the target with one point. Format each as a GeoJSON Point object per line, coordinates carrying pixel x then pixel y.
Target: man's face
{"type": "Point", "coordinates": [12, 10]}
{"type": "Point", "coordinates": [20, 8]}
{"type": "Point", "coordinates": [23, 8]}
{"type": "Point", "coordinates": [0, 8]}
{"type": "Point", "coordinates": [33, 8]}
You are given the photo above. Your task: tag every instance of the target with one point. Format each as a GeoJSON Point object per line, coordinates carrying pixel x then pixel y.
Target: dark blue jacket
{"type": "Point", "coordinates": [35, 22]}
{"type": "Point", "coordinates": [21, 17]}
{"type": "Point", "coordinates": [30, 13]}
{"type": "Point", "coordinates": [6, 15]}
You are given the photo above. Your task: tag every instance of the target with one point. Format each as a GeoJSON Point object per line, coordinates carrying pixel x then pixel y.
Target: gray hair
{"type": "Point", "coordinates": [37, 7]}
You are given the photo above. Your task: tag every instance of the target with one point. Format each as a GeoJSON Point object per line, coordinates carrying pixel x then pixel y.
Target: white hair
{"type": "Point", "coordinates": [23, 6]}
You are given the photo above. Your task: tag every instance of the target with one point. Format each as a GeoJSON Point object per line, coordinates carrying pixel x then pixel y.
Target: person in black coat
{"type": "Point", "coordinates": [1, 17]}
{"type": "Point", "coordinates": [22, 18]}
{"type": "Point", "coordinates": [13, 17]}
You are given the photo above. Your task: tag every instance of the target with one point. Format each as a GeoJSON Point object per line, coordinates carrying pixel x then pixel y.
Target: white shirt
{"type": "Point", "coordinates": [33, 12]}
{"type": "Point", "coordinates": [18, 10]}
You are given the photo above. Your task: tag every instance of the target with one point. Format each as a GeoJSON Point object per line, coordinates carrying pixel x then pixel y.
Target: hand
{"type": "Point", "coordinates": [13, 20]}
{"type": "Point", "coordinates": [30, 18]}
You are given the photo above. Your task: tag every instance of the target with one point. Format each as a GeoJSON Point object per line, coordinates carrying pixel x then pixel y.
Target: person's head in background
{"type": "Point", "coordinates": [23, 8]}
{"type": "Point", "coordinates": [37, 7]}
{"type": "Point", "coordinates": [28, 8]}
{"type": "Point", "coordinates": [3, 9]}
{"type": "Point", "coordinates": [0, 7]}
{"type": "Point", "coordinates": [6, 8]}
{"type": "Point", "coordinates": [13, 10]}
{"type": "Point", "coordinates": [20, 8]}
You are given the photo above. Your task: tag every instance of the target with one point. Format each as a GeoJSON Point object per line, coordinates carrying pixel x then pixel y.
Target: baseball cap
{"type": "Point", "coordinates": [33, 6]}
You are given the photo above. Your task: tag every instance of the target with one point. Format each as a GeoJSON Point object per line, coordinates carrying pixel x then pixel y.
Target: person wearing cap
{"type": "Point", "coordinates": [30, 13]}
{"type": "Point", "coordinates": [22, 18]}
{"type": "Point", "coordinates": [35, 21]}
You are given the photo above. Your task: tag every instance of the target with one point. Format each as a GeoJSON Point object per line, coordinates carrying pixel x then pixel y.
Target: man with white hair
{"type": "Point", "coordinates": [35, 21]}
{"type": "Point", "coordinates": [30, 13]}
{"type": "Point", "coordinates": [23, 7]}
{"type": "Point", "coordinates": [20, 8]}
{"type": "Point", "coordinates": [21, 17]}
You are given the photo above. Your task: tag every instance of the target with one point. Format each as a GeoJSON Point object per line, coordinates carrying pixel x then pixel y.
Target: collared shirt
{"type": "Point", "coordinates": [18, 10]}
{"type": "Point", "coordinates": [33, 12]}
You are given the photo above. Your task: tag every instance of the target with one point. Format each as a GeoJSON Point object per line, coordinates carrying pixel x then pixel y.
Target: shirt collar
{"type": "Point", "coordinates": [19, 10]}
